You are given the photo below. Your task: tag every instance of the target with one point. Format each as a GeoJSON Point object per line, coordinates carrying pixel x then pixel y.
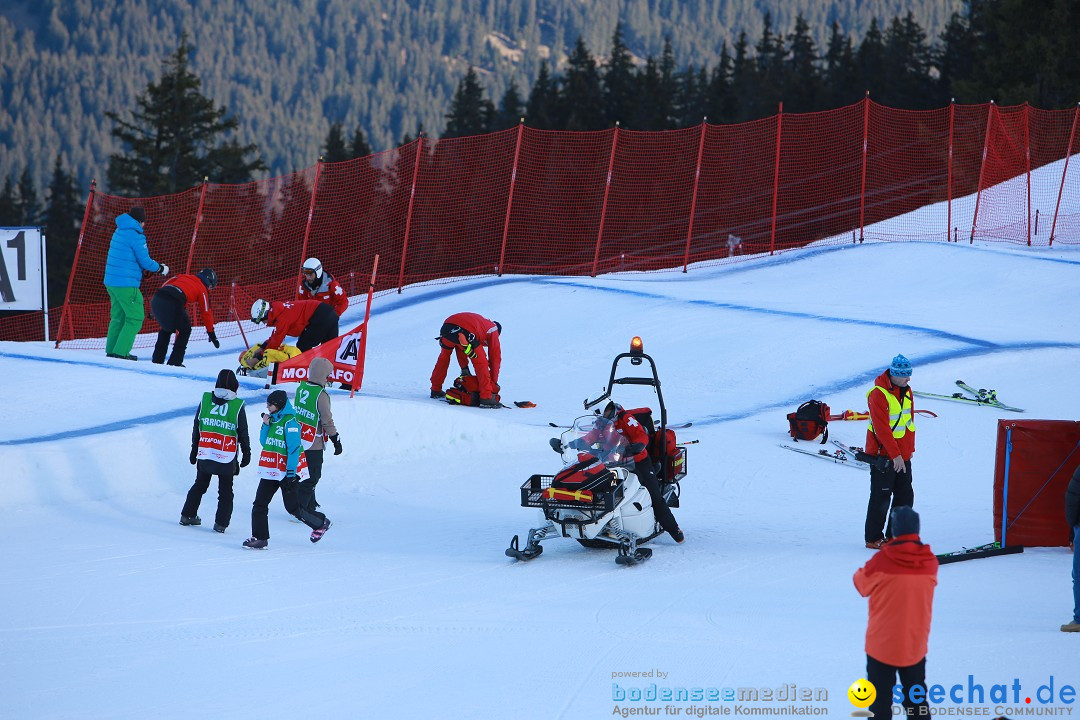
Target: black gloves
{"type": "Point", "coordinates": [635, 448]}
{"type": "Point", "coordinates": [438, 394]}
{"type": "Point", "coordinates": [164, 269]}
{"type": "Point", "coordinates": [290, 480]}
{"type": "Point", "coordinates": [464, 371]}
{"type": "Point", "coordinates": [245, 460]}
{"type": "Point", "coordinates": [337, 443]}
{"type": "Point", "coordinates": [213, 338]}
{"type": "Point", "coordinates": [192, 457]}
{"type": "Point", "coordinates": [556, 445]}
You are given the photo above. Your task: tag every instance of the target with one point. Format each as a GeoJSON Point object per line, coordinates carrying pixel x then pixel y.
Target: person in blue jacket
{"type": "Point", "coordinates": [127, 259]}
{"type": "Point", "coordinates": [281, 464]}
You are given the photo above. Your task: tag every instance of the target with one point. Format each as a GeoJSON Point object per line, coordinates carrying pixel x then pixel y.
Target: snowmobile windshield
{"type": "Point", "coordinates": [595, 435]}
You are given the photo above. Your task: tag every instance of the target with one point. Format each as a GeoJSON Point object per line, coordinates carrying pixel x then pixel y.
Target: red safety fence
{"type": "Point", "coordinates": [527, 201]}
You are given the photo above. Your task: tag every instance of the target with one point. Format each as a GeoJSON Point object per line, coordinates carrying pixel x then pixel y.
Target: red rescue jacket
{"type": "Point", "coordinates": [194, 292]}
{"type": "Point", "coordinates": [328, 291]}
{"type": "Point", "coordinates": [486, 365]}
{"type": "Point", "coordinates": [900, 581]}
{"type": "Point", "coordinates": [881, 441]}
{"type": "Point", "coordinates": [289, 318]}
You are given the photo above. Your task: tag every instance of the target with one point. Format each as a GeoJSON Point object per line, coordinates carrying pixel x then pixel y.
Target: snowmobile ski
{"type": "Point", "coordinates": [838, 456]}
{"type": "Point", "coordinates": [979, 551]}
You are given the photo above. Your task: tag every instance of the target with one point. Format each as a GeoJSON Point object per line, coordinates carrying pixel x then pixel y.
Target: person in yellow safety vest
{"type": "Point", "coordinates": [890, 440]}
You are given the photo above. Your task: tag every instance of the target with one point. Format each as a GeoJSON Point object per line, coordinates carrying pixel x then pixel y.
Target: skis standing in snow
{"type": "Point", "coordinates": [891, 435]}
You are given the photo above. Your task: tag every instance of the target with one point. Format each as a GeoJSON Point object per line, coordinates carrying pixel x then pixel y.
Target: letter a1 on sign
{"type": "Point", "coordinates": [349, 348]}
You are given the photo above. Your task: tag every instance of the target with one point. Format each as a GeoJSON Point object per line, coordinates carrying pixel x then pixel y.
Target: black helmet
{"type": "Point", "coordinates": [612, 409]}
{"type": "Point", "coordinates": [208, 277]}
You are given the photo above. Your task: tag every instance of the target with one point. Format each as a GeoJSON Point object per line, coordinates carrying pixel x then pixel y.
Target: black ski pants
{"type": "Point", "coordinates": [169, 308]}
{"type": "Point", "coordinates": [883, 678]}
{"type": "Point", "coordinates": [886, 485]}
{"type": "Point", "coordinates": [225, 496]}
{"type": "Point", "coordinates": [647, 477]}
{"type": "Point", "coordinates": [307, 487]}
{"type": "Point", "coordinates": [322, 326]}
{"type": "Point", "coordinates": [290, 496]}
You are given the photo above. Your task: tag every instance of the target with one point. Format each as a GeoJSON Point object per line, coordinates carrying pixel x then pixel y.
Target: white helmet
{"type": "Point", "coordinates": [259, 311]}
{"type": "Point", "coordinates": [312, 264]}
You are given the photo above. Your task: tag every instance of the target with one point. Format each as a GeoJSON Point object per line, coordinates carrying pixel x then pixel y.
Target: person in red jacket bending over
{"type": "Point", "coordinates": [466, 335]}
{"type": "Point", "coordinates": [311, 322]}
{"type": "Point", "coordinates": [319, 285]}
{"type": "Point", "coordinates": [900, 581]}
{"type": "Point", "coordinates": [169, 308]}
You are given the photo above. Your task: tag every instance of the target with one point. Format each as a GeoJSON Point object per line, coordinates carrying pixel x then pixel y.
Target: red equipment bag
{"type": "Point", "coordinates": [580, 481]}
{"type": "Point", "coordinates": [809, 420]}
{"type": "Point", "coordinates": [466, 391]}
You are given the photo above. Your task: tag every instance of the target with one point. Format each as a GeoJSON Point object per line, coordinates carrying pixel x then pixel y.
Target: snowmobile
{"type": "Point", "coordinates": [596, 498]}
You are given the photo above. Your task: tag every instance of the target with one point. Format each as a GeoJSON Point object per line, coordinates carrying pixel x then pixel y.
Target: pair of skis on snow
{"type": "Point", "coordinates": [843, 455]}
{"type": "Point", "coordinates": [978, 397]}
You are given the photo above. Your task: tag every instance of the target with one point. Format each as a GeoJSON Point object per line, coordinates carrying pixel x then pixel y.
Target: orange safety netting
{"type": "Point", "coordinates": [528, 201]}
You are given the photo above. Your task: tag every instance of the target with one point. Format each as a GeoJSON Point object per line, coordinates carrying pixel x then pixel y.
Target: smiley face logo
{"type": "Point", "coordinates": [862, 694]}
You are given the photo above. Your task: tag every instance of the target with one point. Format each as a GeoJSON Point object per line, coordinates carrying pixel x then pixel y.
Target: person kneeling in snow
{"type": "Point", "coordinates": [282, 463]}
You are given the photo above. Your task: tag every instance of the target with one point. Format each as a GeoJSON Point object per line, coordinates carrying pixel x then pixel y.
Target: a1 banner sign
{"type": "Point", "coordinates": [22, 270]}
{"type": "Point", "coordinates": [343, 352]}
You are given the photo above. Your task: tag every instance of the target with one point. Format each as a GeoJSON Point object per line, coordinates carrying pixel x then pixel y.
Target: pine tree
{"type": "Point", "coordinates": [802, 79]}
{"type": "Point", "coordinates": [955, 58]}
{"type": "Point", "coordinates": [618, 80]}
{"type": "Point", "coordinates": [63, 214]}
{"type": "Point", "coordinates": [840, 75]}
{"type": "Point", "coordinates": [470, 112]}
{"type": "Point", "coordinates": [511, 108]}
{"type": "Point", "coordinates": [334, 149]}
{"type": "Point", "coordinates": [581, 93]}
{"type": "Point", "coordinates": [172, 137]}
{"type": "Point", "coordinates": [359, 146]}
{"type": "Point", "coordinates": [906, 64]}
{"type": "Point", "coordinates": [721, 104]}
{"type": "Point", "coordinates": [27, 204]}
{"type": "Point", "coordinates": [9, 206]}
{"type": "Point", "coordinates": [540, 110]}
{"type": "Point", "coordinates": [744, 81]}
{"type": "Point", "coordinates": [870, 60]}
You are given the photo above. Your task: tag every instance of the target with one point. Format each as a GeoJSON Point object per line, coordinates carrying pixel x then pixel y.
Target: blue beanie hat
{"type": "Point", "coordinates": [900, 367]}
{"type": "Point", "coordinates": [905, 521]}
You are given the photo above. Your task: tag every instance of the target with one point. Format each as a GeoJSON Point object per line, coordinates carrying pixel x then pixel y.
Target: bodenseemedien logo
{"type": "Point", "coordinates": [862, 694]}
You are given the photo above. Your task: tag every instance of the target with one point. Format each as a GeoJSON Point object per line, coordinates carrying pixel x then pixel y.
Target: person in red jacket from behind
{"type": "Point", "coordinates": [311, 322]}
{"type": "Point", "coordinates": [466, 335]}
{"type": "Point", "coordinates": [169, 308]}
{"type": "Point", "coordinates": [900, 581]}
{"type": "Point", "coordinates": [317, 284]}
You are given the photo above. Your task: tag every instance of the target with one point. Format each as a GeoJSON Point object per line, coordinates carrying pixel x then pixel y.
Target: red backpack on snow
{"type": "Point", "coordinates": [466, 391]}
{"type": "Point", "coordinates": [809, 421]}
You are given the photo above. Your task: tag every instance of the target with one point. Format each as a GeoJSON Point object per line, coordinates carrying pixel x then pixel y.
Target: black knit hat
{"type": "Point", "coordinates": [905, 521]}
{"type": "Point", "coordinates": [138, 214]}
{"type": "Point", "coordinates": [278, 399]}
{"type": "Point", "coordinates": [227, 379]}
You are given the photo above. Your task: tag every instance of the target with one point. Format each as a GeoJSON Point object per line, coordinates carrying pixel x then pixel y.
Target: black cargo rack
{"type": "Point", "coordinates": [603, 502]}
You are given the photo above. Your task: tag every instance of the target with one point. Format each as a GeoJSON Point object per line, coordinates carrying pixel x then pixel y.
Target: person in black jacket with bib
{"type": "Point", "coordinates": [220, 424]}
